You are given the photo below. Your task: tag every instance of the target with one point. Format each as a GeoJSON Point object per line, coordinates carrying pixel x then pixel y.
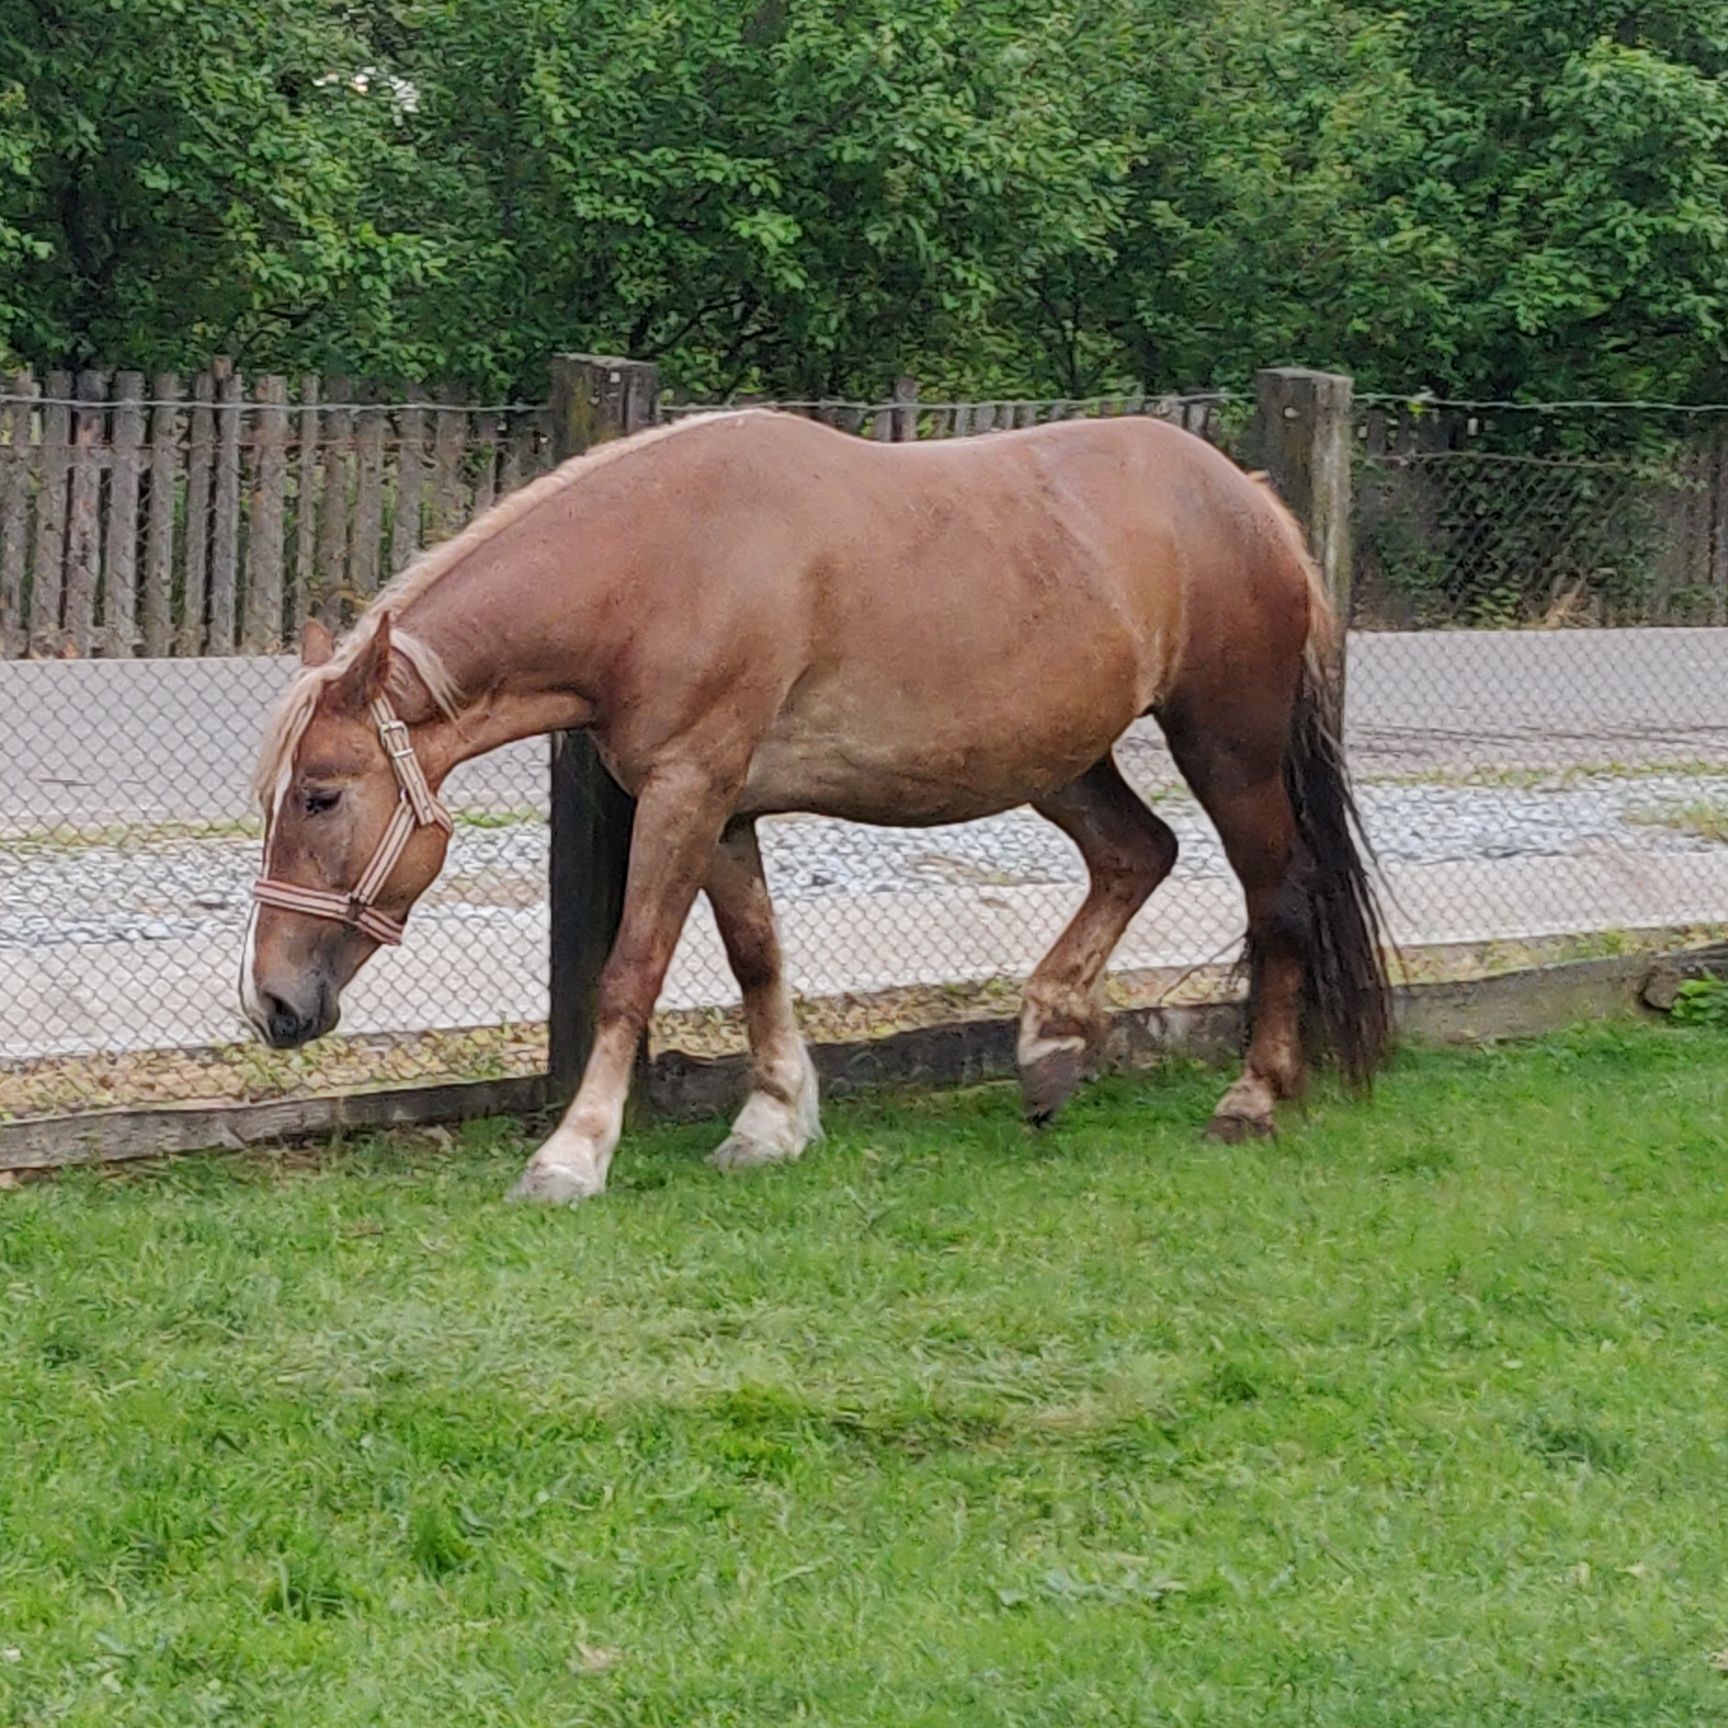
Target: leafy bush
{"type": "Point", "coordinates": [1702, 1002]}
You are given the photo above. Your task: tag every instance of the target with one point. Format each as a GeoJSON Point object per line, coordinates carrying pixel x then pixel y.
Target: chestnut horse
{"type": "Point", "coordinates": [751, 613]}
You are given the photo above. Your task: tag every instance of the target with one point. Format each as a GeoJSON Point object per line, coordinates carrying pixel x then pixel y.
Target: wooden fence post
{"type": "Point", "coordinates": [593, 399]}
{"type": "Point", "coordinates": [1303, 434]}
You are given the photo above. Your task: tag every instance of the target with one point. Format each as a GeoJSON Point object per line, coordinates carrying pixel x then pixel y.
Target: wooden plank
{"type": "Point", "coordinates": [483, 463]}
{"type": "Point", "coordinates": [20, 462]}
{"type": "Point", "coordinates": [1697, 519]}
{"type": "Point", "coordinates": [120, 542]}
{"type": "Point", "coordinates": [84, 513]}
{"type": "Point", "coordinates": [304, 585]}
{"type": "Point", "coordinates": [593, 399]}
{"type": "Point", "coordinates": [370, 427]}
{"type": "Point", "coordinates": [225, 514]}
{"type": "Point", "coordinates": [407, 516]}
{"type": "Point", "coordinates": [521, 459]}
{"type": "Point", "coordinates": [332, 577]}
{"type": "Point", "coordinates": [120, 1136]}
{"type": "Point", "coordinates": [48, 566]}
{"type": "Point", "coordinates": [158, 596]}
{"type": "Point", "coordinates": [200, 455]}
{"type": "Point", "coordinates": [905, 415]}
{"type": "Point", "coordinates": [449, 495]}
{"type": "Point", "coordinates": [1374, 433]}
{"type": "Point", "coordinates": [267, 508]}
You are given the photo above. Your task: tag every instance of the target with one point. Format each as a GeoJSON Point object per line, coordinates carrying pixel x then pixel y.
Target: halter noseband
{"type": "Point", "coordinates": [416, 808]}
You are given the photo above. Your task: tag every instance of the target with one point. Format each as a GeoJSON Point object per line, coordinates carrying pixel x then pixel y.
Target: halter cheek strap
{"type": "Point", "coordinates": [416, 808]}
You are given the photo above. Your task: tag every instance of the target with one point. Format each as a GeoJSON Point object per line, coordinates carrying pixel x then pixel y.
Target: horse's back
{"type": "Point", "coordinates": [965, 624]}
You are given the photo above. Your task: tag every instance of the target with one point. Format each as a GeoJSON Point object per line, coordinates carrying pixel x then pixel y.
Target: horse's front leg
{"type": "Point", "coordinates": [680, 813]}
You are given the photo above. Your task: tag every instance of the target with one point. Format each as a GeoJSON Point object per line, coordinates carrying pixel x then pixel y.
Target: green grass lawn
{"type": "Point", "coordinates": [1419, 1415]}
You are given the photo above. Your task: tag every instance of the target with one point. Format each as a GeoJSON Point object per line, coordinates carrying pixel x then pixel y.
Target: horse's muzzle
{"type": "Point", "coordinates": [286, 1025]}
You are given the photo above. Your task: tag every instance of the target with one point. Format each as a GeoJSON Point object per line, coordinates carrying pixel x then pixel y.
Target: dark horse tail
{"type": "Point", "coordinates": [1347, 1006]}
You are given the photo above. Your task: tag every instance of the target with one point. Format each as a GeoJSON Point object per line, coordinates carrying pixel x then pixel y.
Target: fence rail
{"type": "Point", "coordinates": [214, 516]}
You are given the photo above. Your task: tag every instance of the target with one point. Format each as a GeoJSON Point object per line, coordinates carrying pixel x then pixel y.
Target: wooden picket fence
{"type": "Point", "coordinates": [151, 517]}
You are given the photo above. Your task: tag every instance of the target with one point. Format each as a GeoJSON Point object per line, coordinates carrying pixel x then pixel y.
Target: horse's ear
{"type": "Point", "coordinates": [365, 680]}
{"type": "Point", "coordinates": [316, 643]}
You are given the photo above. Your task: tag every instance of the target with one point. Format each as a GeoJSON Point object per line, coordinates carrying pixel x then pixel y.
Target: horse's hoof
{"type": "Point", "coordinates": [1051, 1078]}
{"type": "Point", "coordinates": [740, 1152]}
{"type": "Point", "coordinates": [1233, 1130]}
{"type": "Point", "coordinates": [556, 1185]}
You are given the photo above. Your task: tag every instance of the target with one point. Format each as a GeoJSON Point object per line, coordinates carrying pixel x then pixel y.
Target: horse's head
{"type": "Point", "coordinates": [353, 836]}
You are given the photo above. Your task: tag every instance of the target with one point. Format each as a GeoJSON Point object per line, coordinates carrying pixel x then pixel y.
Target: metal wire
{"type": "Point", "coordinates": [1586, 405]}
{"type": "Point", "coordinates": [1538, 723]}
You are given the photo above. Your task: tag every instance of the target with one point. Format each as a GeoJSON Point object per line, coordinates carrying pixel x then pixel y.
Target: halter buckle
{"type": "Point", "coordinates": [393, 734]}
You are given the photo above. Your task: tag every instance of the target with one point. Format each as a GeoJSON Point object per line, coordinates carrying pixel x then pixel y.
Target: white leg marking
{"type": "Point", "coordinates": [770, 1130]}
{"type": "Point", "coordinates": [1033, 1045]}
{"type": "Point", "coordinates": [571, 1166]}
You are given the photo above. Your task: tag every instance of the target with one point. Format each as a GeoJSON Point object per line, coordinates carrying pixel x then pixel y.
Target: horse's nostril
{"type": "Point", "coordinates": [285, 1023]}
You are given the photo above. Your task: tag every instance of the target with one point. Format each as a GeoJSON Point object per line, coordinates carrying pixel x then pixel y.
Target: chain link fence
{"type": "Point", "coordinates": [1538, 705]}
{"type": "Point", "coordinates": [1538, 720]}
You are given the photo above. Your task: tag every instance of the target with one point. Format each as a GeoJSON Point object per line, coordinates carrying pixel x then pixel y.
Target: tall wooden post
{"type": "Point", "coordinates": [593, 399]}
{"type": "Point", "coordinates": [1303, 433]}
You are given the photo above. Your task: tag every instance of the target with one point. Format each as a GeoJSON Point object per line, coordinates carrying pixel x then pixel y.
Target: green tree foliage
{"type": "Point", "coordinates": [1494, 197]}
{"type": "Point", "coordinates": [179, 177]}
{"type": "Point", "coordinates": [829, 189]}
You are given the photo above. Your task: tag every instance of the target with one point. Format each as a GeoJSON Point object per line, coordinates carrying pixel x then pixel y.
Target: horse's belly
{"type": "Point", "coordinates": [947, 711]}
{"type": "Point", "coordinates": [904, 784]}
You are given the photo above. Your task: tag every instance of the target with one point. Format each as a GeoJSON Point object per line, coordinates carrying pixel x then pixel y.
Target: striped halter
{"type": "Point", "coordinates": [416, 808]}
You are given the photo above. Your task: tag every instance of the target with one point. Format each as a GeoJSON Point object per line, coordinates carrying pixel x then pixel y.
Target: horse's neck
{"type": "Point", "coordinates": [478, 620]}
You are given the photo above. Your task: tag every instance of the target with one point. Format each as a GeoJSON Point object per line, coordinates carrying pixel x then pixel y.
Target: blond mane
{"type": "Point", "coordinates": [411, 654]}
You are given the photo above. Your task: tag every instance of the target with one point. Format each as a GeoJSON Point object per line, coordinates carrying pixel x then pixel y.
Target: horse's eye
{"type": "Point", "coordinates": [321, 802]}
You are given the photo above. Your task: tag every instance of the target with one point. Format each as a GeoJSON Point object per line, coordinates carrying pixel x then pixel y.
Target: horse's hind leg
{"type": "Point", "coordinates": [1128, 852]}
{"type": "Point", "coordinates": [1237, 773]}
{"type": "Point", "coordinates": [779, 1118]}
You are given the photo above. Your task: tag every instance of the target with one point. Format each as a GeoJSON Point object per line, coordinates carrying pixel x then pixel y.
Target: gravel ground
{"type": "Point", "coordinates": [70, 895]}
